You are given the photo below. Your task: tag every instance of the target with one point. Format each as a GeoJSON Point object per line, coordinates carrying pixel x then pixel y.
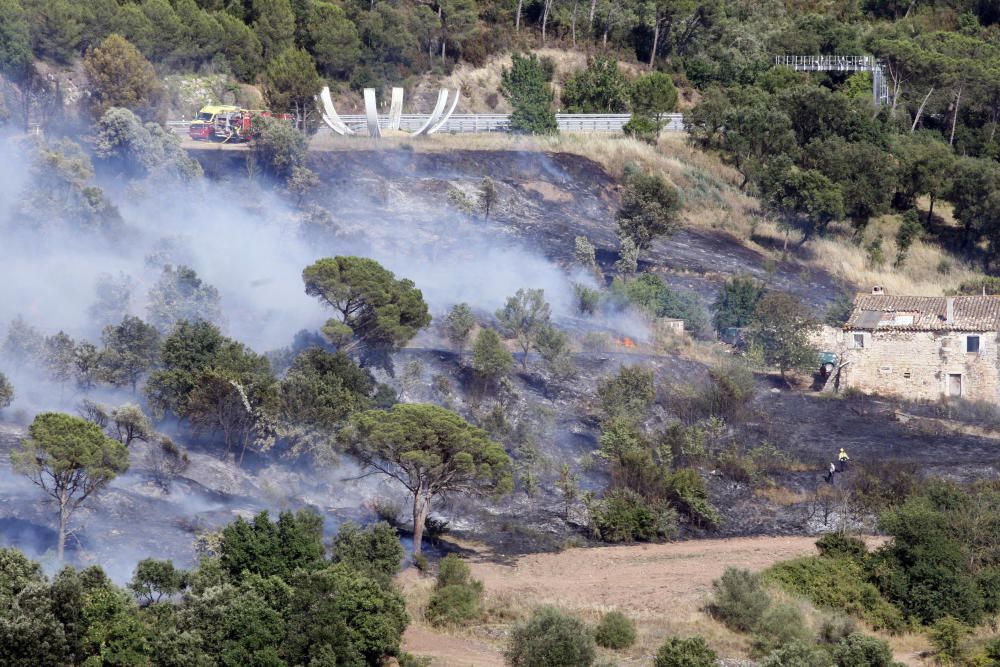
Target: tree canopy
{"type": "Point", "coordinates": [69, 458]}
{"type": "Point", "coordinates": [430, 451]}
{"type": "Point", "coordinates": [650, 208]}
{"type": "Point", "coordinates": [376, 312]}
{"type": "Point", "coordinates": [121, 77]}
{"type": "Point", "coordinates": [525, 84]}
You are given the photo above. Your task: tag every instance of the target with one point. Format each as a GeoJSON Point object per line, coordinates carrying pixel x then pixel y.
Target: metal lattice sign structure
{"type": "Point", "coordinates": [880, 87]}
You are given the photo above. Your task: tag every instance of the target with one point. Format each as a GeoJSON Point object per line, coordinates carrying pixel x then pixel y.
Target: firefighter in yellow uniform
{"type": "Point", "coordinates": [842, 459]}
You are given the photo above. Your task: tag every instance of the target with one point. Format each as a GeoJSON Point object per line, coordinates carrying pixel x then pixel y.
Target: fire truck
{"type": "Point", "coordinates": [227, 124]}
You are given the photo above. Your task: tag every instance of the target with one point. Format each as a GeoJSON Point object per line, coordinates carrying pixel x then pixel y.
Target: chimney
{"type": "Point", "coordinates": [878, 290]}
{"type": "Point", "coordinates": [949, 311]}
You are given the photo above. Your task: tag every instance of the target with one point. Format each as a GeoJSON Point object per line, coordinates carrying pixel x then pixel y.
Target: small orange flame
{"type": "Point", "coordinates": [627, 342]}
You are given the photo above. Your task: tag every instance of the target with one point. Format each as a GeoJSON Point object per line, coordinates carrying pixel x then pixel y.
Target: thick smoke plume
{"type": "Point", "coordinates": [247, 242]}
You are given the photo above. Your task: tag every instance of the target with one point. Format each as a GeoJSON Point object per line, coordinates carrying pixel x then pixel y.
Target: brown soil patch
{"type": "Point", "coordinates": [547, 191]}
{"type": "Point", "coordinates": [449, 651]}
{"type": "Point", "coordinates": [662, 586]}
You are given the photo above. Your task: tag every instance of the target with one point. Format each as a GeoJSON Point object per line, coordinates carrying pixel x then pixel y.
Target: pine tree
{"type": "Point", "coordinates": [334, 39]}
{"type": "Point", "coordinates": [121, 77]}
{"type": "Point", "coordinates": [525, 84]}
{"type": "Point", "coordinates": [275, 26]}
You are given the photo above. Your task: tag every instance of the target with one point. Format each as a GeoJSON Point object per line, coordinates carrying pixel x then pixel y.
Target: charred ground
{"type": "Point", "coordinates": [547, 200]}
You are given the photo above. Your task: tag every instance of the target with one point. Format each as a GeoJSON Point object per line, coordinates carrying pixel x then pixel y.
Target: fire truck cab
{"type": "Point", "coordinates": [203, 126]}
{"type": "Point", "coordinates": [227, 124]}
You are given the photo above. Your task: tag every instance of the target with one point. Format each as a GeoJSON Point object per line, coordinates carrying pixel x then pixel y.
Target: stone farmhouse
{"type": "Point", "coordinates": [921, 348]}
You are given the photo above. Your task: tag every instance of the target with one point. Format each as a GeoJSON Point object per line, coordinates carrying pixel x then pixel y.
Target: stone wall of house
{"type": "Point", "coordinates": [917, 364]}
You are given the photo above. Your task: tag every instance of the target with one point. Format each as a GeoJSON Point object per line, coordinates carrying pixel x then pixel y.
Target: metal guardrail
{"type": "Point", "coordinates": [485, 123]}
{"type": "Point", "coordinates": [829, 63]}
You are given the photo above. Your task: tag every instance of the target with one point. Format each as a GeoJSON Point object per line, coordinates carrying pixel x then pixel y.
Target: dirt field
{"type": "Point", "coordinates": [661, 586]}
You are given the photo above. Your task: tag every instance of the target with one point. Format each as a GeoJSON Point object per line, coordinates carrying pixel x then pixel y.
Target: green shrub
{"type": "Point", "coordinates": [455, 604]}
{"type": "Point", "coordinates": [988, 580]}
{"type": "Point", "coordinates": [649, 293]}
{"type": "Point", "coordinates": [736, 301]}
{"type": "Point", "coordinates": [730, 391]}
{"type": "Point", "coordinates": [739, 466]}
{"type": "Point", "coordinates": [550, 639]}
{"type": "Point", "coordinates": [947, 636]}
{"type": "Point", "coordinates": [525, 84]}
{"type": "Point", "coordinates": [686, 489]}
{"type": "Point", "coordinates": [453, 571]}
{"type": "Point", "coordinates": [616, 630]}
{"type": "Point", "coordinates": [779, 626]}
{"type": "Point", "coordinates": [691, 652]}
{"type": "Point", "coordinates": [925, 568]}
{"type": "Point", "coordinates": [421, 563]}
{"type": "Point", "coordinates": [409, 660]}
{"type": "Point", "coordinates": [797, 654]}
{"type": "Point", "coordinates": [641, 127]}
{"type": "Point", "coordinates": [838, 583]}
{"type": "Point", "coordinates": [992, 652]}
{"type": "Point", "coordinates": [374, 550]}
{"type": "Point", "coordinates": [739, 600]}
{"type": "Point", "coordinates": [457, 598]}
{"type": "Point", "coordinates": [979, 285]}
{"type": "Point", "coordinates": [839, 544]}
{"type": "Point", "coordinates": [835, 627]}
{"type": "Point", "coordinates": [625, 516]}
{"type": "Point", "coordinates": [860, 650]}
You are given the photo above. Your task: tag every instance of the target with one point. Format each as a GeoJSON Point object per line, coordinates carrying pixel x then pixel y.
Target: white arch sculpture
{"type": "Point", "coordinates": [330, 116]}
{"type": "Point", "coordinates": [435, 121]}
{"type": "Point", "coordinates": [371, 113]}
{"type": "Point", "coordinates": [396, 109]}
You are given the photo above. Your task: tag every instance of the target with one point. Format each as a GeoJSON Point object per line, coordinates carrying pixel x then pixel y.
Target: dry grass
{"type": "Point", "coordinates": [714, 201]}
{"type": "Point", "coordinates": [780, 495]}
{"type": "Point", "coordinates": [479, 85]}
{"type": "Point", "coordinates": [908, 648]}
{"type": "Point", "coordinates": [663, 588]}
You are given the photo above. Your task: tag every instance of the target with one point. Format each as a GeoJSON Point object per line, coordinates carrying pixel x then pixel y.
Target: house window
{"type": "Point", "coordinates": [955, 384]}
{"type": "Point", "coordinates": [859, 340]}
{"type": "Point", "coordinates": [906, 375]}
{"type": "Point", "coordinates": [972, 344]}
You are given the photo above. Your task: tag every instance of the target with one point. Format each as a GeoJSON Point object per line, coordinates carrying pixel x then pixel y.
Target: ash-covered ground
{"type": "Point", "coordinates": [394, 205]}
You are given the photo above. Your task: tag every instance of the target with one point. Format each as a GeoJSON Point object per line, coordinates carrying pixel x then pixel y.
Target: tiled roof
{"type": "Point", "coordinates": [929, 313]}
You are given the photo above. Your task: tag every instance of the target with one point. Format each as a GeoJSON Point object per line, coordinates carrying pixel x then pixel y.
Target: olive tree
{"type": "Point", "coordinates": [430, 451]}
{"type": "Point", "coordinates": [650, 208]}
{"type": "Point", "coordinates": [523, 316]}
{"type": "Point", "coordinates": [780, 331]}
{"type": "Point", "coordinates": [70, 459]}
{"type": "Point", "coordinates": [459, 323]}
{"type": "Point", "coordinates": [131, 424]}
{"type": "Point", "coordinates": [130, 350]}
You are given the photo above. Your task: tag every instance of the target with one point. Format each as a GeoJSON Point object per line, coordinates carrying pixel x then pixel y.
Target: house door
{"type": "Point", "coordinates": [955, 384]}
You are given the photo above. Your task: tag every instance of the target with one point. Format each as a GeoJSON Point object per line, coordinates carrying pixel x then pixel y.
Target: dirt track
{"type": "Point", "coordinates": [661, 586]}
